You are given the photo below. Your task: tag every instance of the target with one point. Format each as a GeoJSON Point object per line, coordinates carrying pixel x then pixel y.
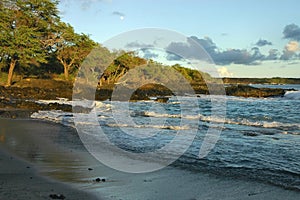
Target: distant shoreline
{"type": "Point", "coordinates": [271, 81]}
{"type": "Point", "coordinates": [19, 100]}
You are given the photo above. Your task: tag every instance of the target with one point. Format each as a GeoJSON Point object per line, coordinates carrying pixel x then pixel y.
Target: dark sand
{"type": "Point", "coordinates": [19, 179]}
{"type": "Point", "coordinates": [32, 139]}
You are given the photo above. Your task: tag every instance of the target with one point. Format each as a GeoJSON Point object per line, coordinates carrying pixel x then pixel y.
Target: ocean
{"type": "Point", "coordinates": [255, 139]}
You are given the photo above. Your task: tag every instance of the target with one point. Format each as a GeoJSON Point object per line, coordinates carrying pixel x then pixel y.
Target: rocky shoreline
{"type": "Point", "coordinates": [20, 100]}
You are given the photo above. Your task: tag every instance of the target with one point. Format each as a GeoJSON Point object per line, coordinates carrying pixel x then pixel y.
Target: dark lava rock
{"type": "Point", "coordinates": [97, 179]}
{"type": "Point", "coordinates": [250, 134]}
{"type": "Point", "coordinates": [162, 99]}
{"type": "Point", "coordinates": [248, 91]}
{"type": "Point", "coordinates": [57, 196]}
{"type": "Point", "coordinates": [100, 180]}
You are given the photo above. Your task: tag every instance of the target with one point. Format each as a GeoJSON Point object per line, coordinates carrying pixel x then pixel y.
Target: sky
{"type": "Point", "coordinates": [257, 38]}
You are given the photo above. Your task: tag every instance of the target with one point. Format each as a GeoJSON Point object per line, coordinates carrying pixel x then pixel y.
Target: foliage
{"type": "Point", "coordinates": [35, 42]}
{"type": "Point", "coordinates": [275, 80]}
{"type": "Point", "coordinates": [120, 66]}
{"type": "Point", "coordinates": [72, 48]}
{"type": "Point", "coordinates": [25, 28]}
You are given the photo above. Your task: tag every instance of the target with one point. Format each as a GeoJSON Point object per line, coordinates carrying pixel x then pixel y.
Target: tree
{"type": "Point", "coordinates": [25, 26]}
{"type": "Point", "coordinates": [120, 66]}
{"type": "Point", "coordinates": [72, 48]}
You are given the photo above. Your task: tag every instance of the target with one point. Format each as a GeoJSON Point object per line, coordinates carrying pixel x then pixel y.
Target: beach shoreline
{"type": "Point", "coordinates": [23, 180]}
{"type": "Point", "coordinates": [20, 180]}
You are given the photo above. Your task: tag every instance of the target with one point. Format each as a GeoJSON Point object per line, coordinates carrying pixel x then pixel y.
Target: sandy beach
{"type": "Point", "coordinates": [23, 177]}
{"type": "Point", "coordinates": [136, 100]}
{"type": "Point", "coordinates": [19, 180]}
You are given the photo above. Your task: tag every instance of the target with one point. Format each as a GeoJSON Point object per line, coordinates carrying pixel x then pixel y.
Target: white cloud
{"type": "Point", "coordinates": [292, 46]}
{"type": "Point", "coordinates": [119, 14]}
{"type": "Point", "coordinates": [223, 71]}
{"type": "Point", "coordinates": [84, 4]}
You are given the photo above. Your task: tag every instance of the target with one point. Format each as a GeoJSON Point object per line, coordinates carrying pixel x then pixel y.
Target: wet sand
{"type": "Point", "coordinates": [55, 151]}
{"type": "Point", "coordinates": [20, 179]}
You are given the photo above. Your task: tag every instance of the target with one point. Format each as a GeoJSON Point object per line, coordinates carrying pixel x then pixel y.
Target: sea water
{"type": "Point", "coordinates": [259, 137]}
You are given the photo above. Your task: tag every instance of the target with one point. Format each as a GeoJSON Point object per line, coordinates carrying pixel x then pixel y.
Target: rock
{"type": "Point", "coordinates": [162, 99]}
{"type": "Point", "coordinates": [57, 196]}
{"type": "Point", "coordinates": [97, 179]}
{"type": "Point", "coordinates": [248, 91]}
{"type": "Point", "coordinates": [100, 180]}
{"type": "Point", "coordinates": [250, 134]}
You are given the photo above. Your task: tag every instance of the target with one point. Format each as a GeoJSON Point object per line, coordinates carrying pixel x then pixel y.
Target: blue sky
{"type": "Point", "coordinates": [257, 38]}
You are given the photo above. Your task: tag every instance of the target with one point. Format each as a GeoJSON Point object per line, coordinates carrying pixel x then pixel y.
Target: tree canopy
{"type": "Point", "coordinates": [72, 48]}
{"type": "Point", "coordinates": [25, 28]}
{"type": "Point", "coordinates": [32, 35]}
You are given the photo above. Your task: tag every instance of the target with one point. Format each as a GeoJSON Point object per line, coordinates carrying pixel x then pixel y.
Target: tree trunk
{"type": "Point", "coordinates": [11, 72]}
{"type": "Point", "coordinates": [66, 71]}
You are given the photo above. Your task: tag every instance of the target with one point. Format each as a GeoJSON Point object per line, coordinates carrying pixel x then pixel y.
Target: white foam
{"type": "Point", "coordinates": [219, 120]}
{"type": "Point", "coordinates": [56, 116]}
{"type": "Point", "coordinates": [295, 95]}
{"type": "Point", "coordinates": [164, 115]}
{"type": "Point", "coordinates": [151, 126]}
{"type": "Point", "coordinates": [83, 103]}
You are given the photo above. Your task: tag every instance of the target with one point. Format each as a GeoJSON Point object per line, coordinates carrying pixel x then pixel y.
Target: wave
{"type": "Point", "coordinates": [68, 119]}
{"type": "Point", "coordinates": [83, 103]}
{"type": "Point", "coordinates": [168, 127]}
{"type": "Point", "coordinates": [163, 115]}
{"type": "Point", "coordinates": [56, 116]}
{"type": "Point", "coordinates": [246, 122]}
{"type": "Point", "coordinates": [264, 124]}
{"type": "Point", "coordinates": [220, 120]}
{"type": "Point", "coordinates": [294, 95]}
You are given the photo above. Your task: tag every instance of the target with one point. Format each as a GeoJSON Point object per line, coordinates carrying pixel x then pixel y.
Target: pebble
{"type": "Point", "coordinates": [57, 196]}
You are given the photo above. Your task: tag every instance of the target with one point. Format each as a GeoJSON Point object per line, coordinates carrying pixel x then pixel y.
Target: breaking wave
{"type": "Point", "coordinates": [294, 95]}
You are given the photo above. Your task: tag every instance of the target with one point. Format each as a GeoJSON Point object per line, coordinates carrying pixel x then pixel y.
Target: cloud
{"type": "Point", "coordinates": [148, 54]}
{"type": "Point", "coordinates": [287, 55]}
{"type": "Point", "coordinates": [236, 56]}
{"type": "Point", "coordinates": [173, 57]}
{"type": "Point", "coordinates": [84, 4]}
{"type": "Point", "coordinates": [136, 44]}
{"type": "Point", "coordinates": [290, 51]}
{"type": "Point", "coordinates": [262, 43]}
{"type": "Point", "coordinates": [291, 31]}
{"type": "Point", "coordinates": [223, 71]}
{"type": "Point", "coordinates": [144, 48]}
{"type": "Point", "coordinates": [119, 14]}
{"type": "Point", "coordinates": [274, 54]}
{"type": "Point", "coordinates": [292, 46]}
{"type": "Point", "coordinates": [192, 50]}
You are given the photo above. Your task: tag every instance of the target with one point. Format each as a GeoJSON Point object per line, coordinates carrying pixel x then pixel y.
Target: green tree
{"type": "Point", "coordinates": [26, 27]}
{"type": "Point", "coordinates": [72, 48]}
{"type": "Point", "coordinates": [120, 66]}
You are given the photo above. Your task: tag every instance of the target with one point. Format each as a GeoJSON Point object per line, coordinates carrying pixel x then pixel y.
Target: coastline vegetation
{"type": "Point", "coordinates": [36, 44]}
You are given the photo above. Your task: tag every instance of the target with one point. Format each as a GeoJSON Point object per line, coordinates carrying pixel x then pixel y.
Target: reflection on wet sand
{"type": "Point", "coordinates": [56, 150]}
